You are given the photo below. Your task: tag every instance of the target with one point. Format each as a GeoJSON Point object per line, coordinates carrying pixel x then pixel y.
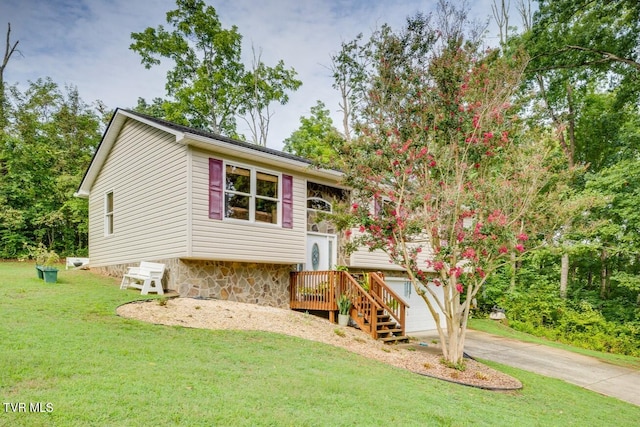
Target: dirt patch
{"type": "Point", "coordinates": [218, 314]}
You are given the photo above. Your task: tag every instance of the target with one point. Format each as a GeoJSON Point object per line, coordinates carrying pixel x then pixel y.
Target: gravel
{"type": "Point", "coordinates": [421, 358]}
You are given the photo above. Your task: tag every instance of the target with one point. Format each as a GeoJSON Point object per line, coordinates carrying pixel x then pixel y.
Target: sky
{"type": "Point", "coordinates": [85, 43]}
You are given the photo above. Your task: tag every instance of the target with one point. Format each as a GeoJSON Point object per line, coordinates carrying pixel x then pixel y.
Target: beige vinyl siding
{"type": "Point", "coordinates": [147, 172]}
{"type": "Point", "coordinates": [377, 259]}
{"type": "Point", "coordinates": [228, 240]}
{"type": "Point", "coordinates": [363, 258]}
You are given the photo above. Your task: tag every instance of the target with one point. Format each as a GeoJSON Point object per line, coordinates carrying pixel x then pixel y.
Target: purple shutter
{"type": "Point", "coordinates": [287, 201]}
{"type": "Point", "coordinates": [216, 192]}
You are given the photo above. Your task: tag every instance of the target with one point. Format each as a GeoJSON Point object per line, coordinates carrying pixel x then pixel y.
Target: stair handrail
{"type": "Point", "coordinates": [378, 288]}
{"type": "Point", "coordinates": [361, 302]}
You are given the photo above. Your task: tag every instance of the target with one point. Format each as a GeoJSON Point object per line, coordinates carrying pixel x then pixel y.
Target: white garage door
{"type": "Point", "coordinates": [418, 316]}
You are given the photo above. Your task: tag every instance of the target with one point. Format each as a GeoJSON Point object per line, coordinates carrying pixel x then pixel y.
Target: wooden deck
{"type": "Point", "coordinates": [375, 308]}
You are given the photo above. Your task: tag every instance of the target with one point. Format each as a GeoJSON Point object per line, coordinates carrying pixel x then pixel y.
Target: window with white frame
{"type": "Point", "coordinates": [251, 194]}
{"type": "Point", "coordinates": [108, 213]}
{"type": "Point", "coordinates": [319, 204]}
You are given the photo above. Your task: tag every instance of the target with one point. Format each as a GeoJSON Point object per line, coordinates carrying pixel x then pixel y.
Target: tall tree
{"type": "Point", "coordinates": [348, 68]}
{"type": "Point", "coordinates": [208, 85]}
{"type": "Point", "coordinates": [316, 139]}
{"type": "Point", "coordinates": [451, 168]}
{"type": "Point", "coordinates": [262, 86]}
{"type": "Point", "coordinates": [48, 146]}
{"type": "Point", "coordinates": [579, 48]}
{"type": "Point", "coordinates": [9, 50]}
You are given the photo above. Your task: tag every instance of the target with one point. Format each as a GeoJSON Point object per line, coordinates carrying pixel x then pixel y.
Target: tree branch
{"type": "Point", "coordinates": [610, 56]}
{"type": "Point", "coordinates": [9, 50]}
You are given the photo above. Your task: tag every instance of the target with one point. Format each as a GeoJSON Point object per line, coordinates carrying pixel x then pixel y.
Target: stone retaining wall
{"type": "Point", "coordinates": [264, 284]}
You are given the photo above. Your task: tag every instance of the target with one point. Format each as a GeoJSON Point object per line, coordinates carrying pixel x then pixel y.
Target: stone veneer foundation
{"type": "Point", "coordinates": [264, 284]}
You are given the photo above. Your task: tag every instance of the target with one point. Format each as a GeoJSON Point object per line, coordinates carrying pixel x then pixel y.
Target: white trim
{"type": "Point", "coordinates": [189, 185]}
{"type": "Point", "coordinates": [322, 200]}
{"type": "Point", "coordinates": [108, 215]}
{"type": "Point", "coordinates": [334, 246]}
{"type": "Point", "coordinates": [253, 172]}
{"type": "Point", "coordinates": [267, 158]}
{"type": "Point", "coordinates": [190, 139]}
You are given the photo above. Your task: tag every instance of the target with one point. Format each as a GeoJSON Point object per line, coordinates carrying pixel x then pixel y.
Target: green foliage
{"type": "Point", "coordinates": [536, 307]}
{"type": "Point", "coordinates": [316, 139]}
{"type": "Point", "coordinates": [587, 37]}
{"type": "Point", "coordinates": [459, 366]}
{"type": "Point", "coordinates": [44, 152]}
{"type": "Point", "coordinates": [448, 166]}
{"type": "Point", "coordinates": [344, 304]}
{"type": "Point", "coordinates": [208, 85]}
{"type": "Point", "coordinates": [57, 354]}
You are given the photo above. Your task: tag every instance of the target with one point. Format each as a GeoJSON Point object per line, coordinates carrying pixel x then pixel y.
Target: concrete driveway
{"type": "Point", "coordinates": [584, 371]}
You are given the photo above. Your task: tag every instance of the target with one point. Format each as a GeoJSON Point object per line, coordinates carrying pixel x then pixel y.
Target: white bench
{"type": "Point", "coordinates": [72, 261]}
{"type": "Point", "coordinates": [147, 277]}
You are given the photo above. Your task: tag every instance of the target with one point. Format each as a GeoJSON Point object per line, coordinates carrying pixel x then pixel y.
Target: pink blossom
{"type": "Point", "coordinates": [459, 288]}
{"type": "Point", "coordinates": [437, 282]}
{"type": "Point", "coordinates": [503, 250]}
{"type": "Point", "coordinates": [523, 237]}
{"type": "Point", "coordinates": [438, 265]}
{"type": "Point", "coordinates": [505, 137]}
{"type": "Point", "coordinates": [519, 247]}
{"type": "Point", "coordinates": [498, 217]}
{"type": "Point", "coordinates": [455, 272]}
{"type": "Point", "coordinates": [354, 206]}
{"type": "Point", "coordinates": [362, 228]}
{"type": "Point", "coordinates": [469, 253]}
{"type": "Point", "coordinates": [348, 233]}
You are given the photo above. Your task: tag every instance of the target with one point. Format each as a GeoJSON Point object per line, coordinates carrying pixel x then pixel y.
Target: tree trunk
{"type": "Point", "coordinates": [514, 269]}
{"type": "Point", "coordinates": [564, 274]}
{"type": "Point", "coordinates": [9, 50]}
{"type": "Point", "coordinates": [604, 275]}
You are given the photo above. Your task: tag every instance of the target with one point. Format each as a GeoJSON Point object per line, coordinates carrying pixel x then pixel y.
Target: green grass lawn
{"type": "Point", "coordinates": [63, 345]}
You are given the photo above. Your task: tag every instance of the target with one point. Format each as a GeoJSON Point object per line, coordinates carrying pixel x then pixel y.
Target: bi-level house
{"type": "Point", "coordinates": [229, 220]}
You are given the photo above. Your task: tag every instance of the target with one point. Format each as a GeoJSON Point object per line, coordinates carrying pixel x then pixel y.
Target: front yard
{"type": "Point", "coordinates": [70, 360]}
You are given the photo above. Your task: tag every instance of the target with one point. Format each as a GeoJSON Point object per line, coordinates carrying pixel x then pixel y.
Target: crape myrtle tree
{"type": "Point", "coordinates": [449, 166]}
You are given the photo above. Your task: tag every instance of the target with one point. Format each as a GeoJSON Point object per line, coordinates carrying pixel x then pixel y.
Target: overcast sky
{"type": "Point", "coordinates": [86, 43]}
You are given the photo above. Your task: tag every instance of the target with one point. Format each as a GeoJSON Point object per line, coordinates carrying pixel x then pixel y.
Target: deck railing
{"type": "Point", "coordinates": [364, 309]}
{"type": "Point", "coordinates": [314, 290]}
{"type": "Point", "coordinates": [320, 290]}
{"type": "Point", "coordinates": [388, 299]}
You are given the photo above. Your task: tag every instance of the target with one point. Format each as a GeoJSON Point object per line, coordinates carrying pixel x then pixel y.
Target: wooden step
{"type": "Point", "coordinates": [387, 323]}
{"type": "Point", "coordinates": [394, 338]}
{"type": "Point", "coordinates": [393, 331]}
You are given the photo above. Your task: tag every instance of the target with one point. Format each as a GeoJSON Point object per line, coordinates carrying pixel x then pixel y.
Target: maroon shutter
{"type": "Point", "coordinates": [287, 201]}
{"type": "Point", "coordinates": [216, 192]}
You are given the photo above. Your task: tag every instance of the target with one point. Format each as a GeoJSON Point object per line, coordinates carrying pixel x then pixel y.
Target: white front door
{"type": "Point", "coordinates": [321, 252]}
